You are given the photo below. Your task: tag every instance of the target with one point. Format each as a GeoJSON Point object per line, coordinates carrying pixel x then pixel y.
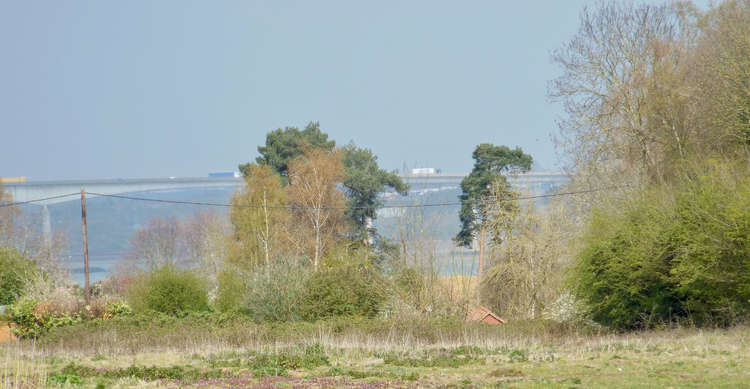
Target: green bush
{"type": "Point", "coordinates": [264, 293]}
{"type": "Point", "coordinates": [33, 323]}
{"type": "Point", "coordinates": [169, 290]}
{"type": "Point", "coordinates": [664, 258]}
{"type": "Point", "coordinates": [231, 291]}
{"type": "Point", "coordinates": [16, 269]}
{"type": "Point", "coordinates": [344, 289]}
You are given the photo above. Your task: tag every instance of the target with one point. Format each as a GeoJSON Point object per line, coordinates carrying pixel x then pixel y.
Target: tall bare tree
{"type": "Point", "coordinates": [259, 216]}
{"type": "Point", "coordinates": [157, 243]}
{"type": "Point", "coordinates": [313, 191]}
{"type": "Point", "coordinates": [619, 89]}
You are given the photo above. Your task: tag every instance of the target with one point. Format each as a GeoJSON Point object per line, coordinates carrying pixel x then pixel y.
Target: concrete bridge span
{"type": "Point", "coordinates": [528, 183]}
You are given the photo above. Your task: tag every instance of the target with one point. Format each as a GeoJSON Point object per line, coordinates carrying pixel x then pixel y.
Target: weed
{"type": "Point", "coordinates": [64, 380]}
{"type": "Point", "coordinates": [518, 356]}
{"type": "Point", "coordinates": [506, 372]}
{"type": "Point", "coordinates": [153, 373]}
{"type": "Point", "coordinates": [443, 360]}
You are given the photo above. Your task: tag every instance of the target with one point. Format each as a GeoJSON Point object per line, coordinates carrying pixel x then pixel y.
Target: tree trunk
{"type": "Point", "coordinates": [481, 258]}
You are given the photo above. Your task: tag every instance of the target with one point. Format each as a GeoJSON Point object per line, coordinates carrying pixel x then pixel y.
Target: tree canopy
{"type": "Point", "coordinates": [363, 182]}
{"type": "Point", "coordinates": [363, 179]}
{"type": "Point", "coordinates": [490, 163]}
{"type": "Point", "coordinates": [282, 146]}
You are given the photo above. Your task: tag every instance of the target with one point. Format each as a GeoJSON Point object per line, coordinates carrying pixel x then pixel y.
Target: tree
{"type": "Point", "coordinates": [723, 79]}
{"type": "Point", "coordinates": [490, 163]}
{"type": "Point", "coordinates": [525, 273]}
{"type": "Point", "coordinates": [282, 146]}
{"type": "Point", "coordinates": [313, 192]}
{"type": "Point", "coordinates": [205, 234]}
{"type": "Point", "coordinates": [259, 215]}
{"type": "Point", "coordinates": [363, 182]}
{"type": "Point", "coordinates": [157, 243]}
{"type": "Point", "coordinates": [7, 214]}
{"type": "Point", "coordinates": [623, 89]}
{"type": "Point", "coordinates": [17, 271]}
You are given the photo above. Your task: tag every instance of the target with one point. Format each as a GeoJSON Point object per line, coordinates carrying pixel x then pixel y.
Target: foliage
{"type": "Point", "coordinates": [273, 293]}
{"type": "Point", "coordinates": [282, 146]}
{"type": "Point", "coordinates": [525, 273]}
{"type": "Point", "coordinates": [363, 182]}
{"type": "Point", "coordinates": [314, 195]}
{"type": "Point", "coordinates": [169, 290]}
{"type": "Point", "coordinates": [188, 374]}
{"type": "Point", "coordinates": [674, 88]}
{"type": "Point", "coordinates": [231, 290]}
{"type": "Point", "coordinates": [350, 285]}
{"type": "Point", "coordinates": [258, 217]}
{"type": "Point", "coordinates": [277, 364]}
{"type": "Point", "coordinates": [32, 322]}
{"type": "Point", "coordinates": [490, 163]}
{"type": "Point", "coordinates": [667, 257]}
{"type": "Point", "coordinates": [17, 271]}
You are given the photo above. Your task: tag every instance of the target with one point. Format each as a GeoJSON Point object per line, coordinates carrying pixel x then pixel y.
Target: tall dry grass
{"type": "Point", "coordinates": [22, 365]}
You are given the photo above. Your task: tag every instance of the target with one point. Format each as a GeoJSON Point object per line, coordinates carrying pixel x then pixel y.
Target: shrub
{"type": "Point", "coordinates": [231, 292]}
{"type": "Point", "coordinates": [353, 288]}
{"type": "Point", "coordinates": [16, 271]}
{"type": "Point", "coordinates": [169, 290]}
{"type": "Point", "coordinates": [668, 257]}
{"type": "Point", "coordinates": [33, 319]}
{"type": "Point", "coordinates": [265, 293]}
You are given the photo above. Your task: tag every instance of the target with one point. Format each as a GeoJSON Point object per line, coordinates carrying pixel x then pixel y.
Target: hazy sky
{"type": "Point", "coordinates": [105, 89]}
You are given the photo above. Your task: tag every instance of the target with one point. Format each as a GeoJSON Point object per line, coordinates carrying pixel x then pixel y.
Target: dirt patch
{"type": "Point", "coordinates": [5, 335]}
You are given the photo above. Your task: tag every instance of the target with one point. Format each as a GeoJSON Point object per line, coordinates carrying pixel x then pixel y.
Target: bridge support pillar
{"type": "Point", "coordinates": [46, 224]}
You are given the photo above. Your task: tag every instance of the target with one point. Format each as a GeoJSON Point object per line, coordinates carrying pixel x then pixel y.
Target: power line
{"type": "Point", "coordinates": [38, 200]}
{"type": "Point", "coordinates": [447, 204]}
{"type": "Point", "coordinates": [209, 204]}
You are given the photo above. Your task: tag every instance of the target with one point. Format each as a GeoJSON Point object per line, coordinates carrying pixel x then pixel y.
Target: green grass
{"type": "Point", "coordinates": [521, 355]}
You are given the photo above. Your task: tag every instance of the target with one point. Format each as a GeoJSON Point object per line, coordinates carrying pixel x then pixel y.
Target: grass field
{"type": "Point", "coordinates": [379, 356]}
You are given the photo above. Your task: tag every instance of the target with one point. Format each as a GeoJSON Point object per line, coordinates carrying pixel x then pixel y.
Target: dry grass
{"type": "Point", "coordinates": [519, 355]}
{"type": "Point", "coordinates": [5, 334]}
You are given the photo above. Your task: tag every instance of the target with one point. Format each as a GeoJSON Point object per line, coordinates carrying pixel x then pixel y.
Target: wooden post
{"type": "Point", "coordinates": [85, 246]}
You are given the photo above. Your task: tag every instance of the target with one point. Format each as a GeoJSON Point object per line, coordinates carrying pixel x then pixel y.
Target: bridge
{"type": "Point", "coordinates": [54, 192]}
{"type": "Point", "coordinates": [45, 193]}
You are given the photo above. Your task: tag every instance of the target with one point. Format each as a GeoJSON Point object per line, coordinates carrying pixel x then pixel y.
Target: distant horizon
{"type": "Point", "coordinates": [32, 180]}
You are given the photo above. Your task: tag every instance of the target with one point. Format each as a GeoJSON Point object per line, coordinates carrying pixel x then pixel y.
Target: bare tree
{"type": "Point", "coordinates": [157, 243]}
{"type": "Point", "coordinates": [618, 89]}
{"type": "Point", "coordinates": [313, 190]}
{"type": "Point", "coordinates": [205, 237]}
{"type": "Point", "coordinates": [527, 269]}
{"type": "Point", "coordinates": [259, 217]}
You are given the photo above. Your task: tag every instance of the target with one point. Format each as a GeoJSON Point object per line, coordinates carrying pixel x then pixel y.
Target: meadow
{"type": "Point", "coordinates": [209, 352]}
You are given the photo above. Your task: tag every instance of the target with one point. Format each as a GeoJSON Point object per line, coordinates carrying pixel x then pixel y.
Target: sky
{"type": "Point", "coordinates": [141, 89]}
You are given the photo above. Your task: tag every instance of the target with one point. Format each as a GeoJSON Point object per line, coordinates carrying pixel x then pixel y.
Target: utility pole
{"type": "Point", "coordinates": [85, 246]}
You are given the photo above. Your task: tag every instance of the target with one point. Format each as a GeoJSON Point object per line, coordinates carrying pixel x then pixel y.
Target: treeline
{"type": "Point", "coordinates": [299, 244]}
{"type": "Point", "coordinates": [657, 141]}
{"type": "Point", "coordinates": [658, 111]}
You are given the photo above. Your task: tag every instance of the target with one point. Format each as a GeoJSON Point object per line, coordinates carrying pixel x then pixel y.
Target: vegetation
{"type": "Point", "coordinates": [363, 183]}
{"type": "Point", "coordinates": [349, 286]}
{"type": "Point", "coordinates": [362, 355]}
{"type": "Point", "coordinates": [670, 256]}
{"type": "Point", "coordinates": [621, 282]}
{"type": "Point", "coordinates": [17, 271]}
{"type": "Point", "coordinates": [283, 146]}
{"type": "Point", "coordinates": [486, 189]}
{"type": "Point", "coordinates": [169, 290]}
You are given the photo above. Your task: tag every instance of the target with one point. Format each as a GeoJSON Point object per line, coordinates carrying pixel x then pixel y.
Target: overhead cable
{"type": "Point", "coordinates": [39, 200]}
